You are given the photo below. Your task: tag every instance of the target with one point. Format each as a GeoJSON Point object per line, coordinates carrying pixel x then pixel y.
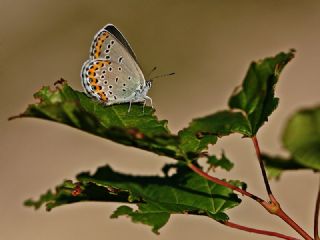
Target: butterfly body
{"type": "Point", "coordinates": [112, 74]}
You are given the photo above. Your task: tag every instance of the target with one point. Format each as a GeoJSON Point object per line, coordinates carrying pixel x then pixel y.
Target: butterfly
{"type": "Point", "coordinates": [112, 74]}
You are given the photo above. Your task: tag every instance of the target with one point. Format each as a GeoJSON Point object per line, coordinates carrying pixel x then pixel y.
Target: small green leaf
{"type": "Point", "coordinates": [64, 195]}
{"type": "Point", "coordinates": [302, 137]}
{"type": "Point", "coordinates": [276, 165]}
{"type": "Point", "coordinates": [220, 217]}
{"type": "Point", "coordinates": [44, 198]}
{"type": "Point", "coordinates": [206, 130]}
{"type": "Point", "coordinates": [222, 162]}
{"type": "Point", "coordinates": [192, 143]}
{"type": "Point", "coordinates": [221, 124]}
{"type": "Point", "coordinates": [256, 95]}
{"type": "Point", "coordinates": [150, 214]}
{"type": "Point", "coordinates": [120, 211]}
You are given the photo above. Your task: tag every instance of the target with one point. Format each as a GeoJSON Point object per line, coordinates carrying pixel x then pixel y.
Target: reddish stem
{"type": "Point", "coordinates": [258, 231]}
{"type": "Point", "coordinates": [225, 184]}
{"type": "Point", "coordinates": [262, 168]}
{"type": "Point", "coordinates": [316, 217]}
{"type": "Point", "coordinates": [273, 207]}
{"type": "Point", "coordinates": [228, 185]}
{"type": "Point", "coordinates": [280, 213]}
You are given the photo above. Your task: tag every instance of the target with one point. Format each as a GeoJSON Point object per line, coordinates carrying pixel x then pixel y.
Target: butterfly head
{"type": "Point", "coordinates": [148, 84]}
{"type": "Point", "coordinates": [144, 89]}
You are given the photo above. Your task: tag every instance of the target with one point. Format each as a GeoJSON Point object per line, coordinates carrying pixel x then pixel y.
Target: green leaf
{"type": "Point", "coordinates": [256, 95]}
{"type": "Point", "coordinates": [157, 197]}
{"type": "Point", "coordinates": [222, 162]}
{"type": "Point", "coordinates": [63, 194]}
{"type": "Point", "coordinates": [220, 217]}
{"type": "Point", "coordinates": [302, 137]}
{"type": "Point", "coordinates": [44, 198]}
{"type": "Point", "coordinates": [275, 165]}
{"type": "Point", "coordinates": [136, 128]}
{"type": "Point", "coordinates": [251, 104]}
{"type": "Point", "coordinates": [206, 130]}
{"type": "Point", "coordinates": [184, 188]}
{"type": "Point", "coordinates": [192, 143]}
{"type": "Point", "coordinates": [150, 214]}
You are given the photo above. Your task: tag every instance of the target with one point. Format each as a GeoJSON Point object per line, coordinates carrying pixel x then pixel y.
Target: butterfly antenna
{"type": "Point", "coordinates": [163, 75]}
{"type": "Point", "coordinates": [153, 69]}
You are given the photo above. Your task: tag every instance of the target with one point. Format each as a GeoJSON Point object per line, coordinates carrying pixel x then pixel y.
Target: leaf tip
{"type": "Point", "coordinates": [15, 117]}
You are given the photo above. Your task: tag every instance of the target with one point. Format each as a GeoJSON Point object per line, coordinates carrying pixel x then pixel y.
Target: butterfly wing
{"type": "Point", "coordinates": [99, 47]}
{"type": "Point", "coordinates": [112, 74]}
{"type": "Point", "coordinates": [109, 82]}
{"type": "Point", "coordinates": [110, 44]}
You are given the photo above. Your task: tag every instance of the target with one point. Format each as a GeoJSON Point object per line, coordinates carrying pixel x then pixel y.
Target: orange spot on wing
{"type": "Point", "coordinates": [99, 43]}
{"type": "Point", "coordinates": [103, 96]}
{"type": "Point", "coordinates": [93, 80]}
{"type": "Point", "coordinates": [101, 63]}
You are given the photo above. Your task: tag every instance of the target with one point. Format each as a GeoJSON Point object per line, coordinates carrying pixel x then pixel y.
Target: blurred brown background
{"type": "Point", "coordinates": [209, 44]}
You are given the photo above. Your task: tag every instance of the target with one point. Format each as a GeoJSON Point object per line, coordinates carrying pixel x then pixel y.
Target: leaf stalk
{"type": "Point", "coordinates": [263, 171]}
{"type": "Point", "coordinates": [271, 207]}
{"type": "Point", "coordinates": [274, 207]}
{"type": "Point", "coordinates": [316, 216]}
{"type": "Point", "coordinates": [257, 231]}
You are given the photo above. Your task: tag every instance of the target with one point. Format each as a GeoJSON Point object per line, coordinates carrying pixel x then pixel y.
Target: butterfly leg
{"type": "Point", "coordinates": [144, 104]}
{"type": "Point", "coordinates": [150, 99]}
{"type": "Point", "coordinates": [129, 106]}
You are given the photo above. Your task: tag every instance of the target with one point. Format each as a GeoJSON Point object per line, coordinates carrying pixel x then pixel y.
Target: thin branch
{"type": "Point", "coordinates": [226, 184]}
{"type": "Point", "coordinates": [258, 231]}
{"type": "Point", "coordinates": [273, 207]}
{"type": "Point", "coordinates": [263, 170]}
{"type": "Point", "coordinates": [316, 217]}
{"type": "Point", "coordinates": [280, 213]}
